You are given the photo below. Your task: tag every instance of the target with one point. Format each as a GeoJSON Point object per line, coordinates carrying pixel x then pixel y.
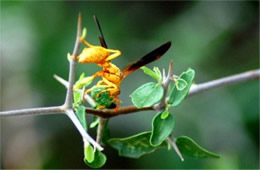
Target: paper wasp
{"type": "Point", "coordinates": [111, 75]}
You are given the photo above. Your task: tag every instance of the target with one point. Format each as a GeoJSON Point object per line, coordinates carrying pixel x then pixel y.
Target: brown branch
{"type": "Point", "coordinates": [107, 113]}
{"type": "Point", "coordinates": [196, 89]}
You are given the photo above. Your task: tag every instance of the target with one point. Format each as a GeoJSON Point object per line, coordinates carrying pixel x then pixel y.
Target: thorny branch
{"type": "Point", "coordinates": [67, 106]}
{"type": "Point", "coordinates": [165, 85]}
{"type": "Point", "coordinates": [69, 96]}
{"type": "Point", "coordinates": [238, 78]}
{"type": "Point", "coordinates": [195, 89]}
{"type": "Point", "coordinates": [68, 100]}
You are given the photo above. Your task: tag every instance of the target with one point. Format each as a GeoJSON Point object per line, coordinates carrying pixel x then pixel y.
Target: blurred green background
{"type": "Point", "coordinates": [216, 39]}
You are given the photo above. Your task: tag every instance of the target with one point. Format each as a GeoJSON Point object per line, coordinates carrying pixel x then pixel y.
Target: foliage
{"type": "Point", "coordinates": [162, 127]}
{"type": "Point", "coordinates": [147, 95]}
{"type": "Point", "coordinates": [134, 146]}
{"type": "Point", "coordinates": [163, 123]}
{"type": "Point", "coordinates": [188, 147]}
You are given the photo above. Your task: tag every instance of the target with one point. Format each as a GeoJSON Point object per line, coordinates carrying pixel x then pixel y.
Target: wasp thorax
{"type": "Point", "coordinates": [93, 55]}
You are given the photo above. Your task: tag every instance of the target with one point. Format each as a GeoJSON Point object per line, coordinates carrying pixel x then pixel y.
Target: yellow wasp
{"type": "Point", "coordinates": [111, 75]}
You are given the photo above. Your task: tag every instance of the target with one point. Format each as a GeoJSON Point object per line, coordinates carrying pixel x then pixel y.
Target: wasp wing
{"type": "Point", "coordinates": [101, 39]}
{"type": "Point", "coordinates": [148, 58]}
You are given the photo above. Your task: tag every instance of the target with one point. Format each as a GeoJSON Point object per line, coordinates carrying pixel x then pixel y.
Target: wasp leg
{"type": "Point", "coordinates": [97, 86]}
{"type": "Point", "coordinates": [101, 107]}
{"type": "Point", "coordinates": [99, 73]}
{"type": "Point", "coordinates": [117, 100]}
{"type": "Point", "coordinates": [112, 56]}
{"type": "Point", "coordinates": [89, 90]}
{"type": "Point", "coordinates": [85, 42]}
{"type": "Point", "coordinates": [109, 85]}
{"type": "Point", "coordinates": [100, 83]}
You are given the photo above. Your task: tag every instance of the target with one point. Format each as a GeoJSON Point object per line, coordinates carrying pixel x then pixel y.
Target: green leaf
{"type": "Point", "coordinates": [188, 147]}
{"type": "Point", "coordinates": [98, 162]}
{"type": "Point", "coordinates": [177, 96]}
{"type": "Point", "coordinates": [83, 82]}
{"type": "Point", "coordinates": [180, 84]}
{"type": "Point", "coordinates": [84, 33]}
{"type": "Point", "coordinates": [156, 74]}
{"type": "Point", "coordinates": [147, 95]}
{"type": "Point", "coordinates": [80, 112]}
{"type": "Point", "coordinates": [165, 114]}
{"type": "Point", "coordinates": [95, 122]}
{"type": "Point", "coordinates": [89, 153]}
{"type": "Point", "coordinates": [161, 128]}
{"type": "Point", "coordinates": [82, 76]}
{"type": "Point", "coordinates": [77, 97]}
{"type": "Point", "coordinates": [134, 146]}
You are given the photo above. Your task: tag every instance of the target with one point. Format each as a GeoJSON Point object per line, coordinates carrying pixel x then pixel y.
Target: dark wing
{"type": "Point", "coordinates": [148, 58]}
{"type": "Point", "coordinates": [101, 39]}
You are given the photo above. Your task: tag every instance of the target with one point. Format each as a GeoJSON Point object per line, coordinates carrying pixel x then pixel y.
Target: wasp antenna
{"type": "Point", "coordinates": [101, 39]}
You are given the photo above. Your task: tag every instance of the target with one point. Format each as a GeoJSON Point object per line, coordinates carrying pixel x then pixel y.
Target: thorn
{"type": "Point", "coordinates": [61, 80]}
{"type": "Point", "coordinates": [175, 147]}
{"type": "Point", "coordinates": [79, 25]}
{"type": "Point", "coordinates": [164, 75]}
{"type": "Point", "coordinates": [79, 20]}
{"type": "Point", "coordinates": [170, 70]}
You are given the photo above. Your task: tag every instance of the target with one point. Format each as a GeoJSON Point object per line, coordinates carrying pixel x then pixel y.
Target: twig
{"type": "Point", "coordinates": [33, 111]}
{"type": "Point", "coordinates": [107, 113]}
{"type": "Point", "coordinates": [82, 131]}
{"type": "Point", "coordinates": [68, 100]}
{"type": "Point", "coordinates": [100, 130]}
{"type": "Point", "coordinates": [61, 80]}
{"type": "Point", "coordinates": [165, 85]}
{"type": "Point", "coordinates": [195, 89]}
{"type": "Point", "coordinates": [238, 78]}
{"type": "Point", "coordinates": [66, 84]}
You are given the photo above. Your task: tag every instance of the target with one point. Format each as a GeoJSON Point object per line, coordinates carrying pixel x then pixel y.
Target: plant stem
{"type": "Point", "coordinates": [107, 113]}
{"type": "Point", "coordinates": [165, 85]}
{"type": "Point", "coordinates": [33, 111]}
{"type": "Point", "coordinates": [68, 100]}
{"type": "Point", "coordinates": [238, 78]}
{"type": "Point", "coordinates": [195, 89]}
{"type": "Point", "coordinates": [82, 131]}
{"type": "Point", "coordinates": [100, 130]}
